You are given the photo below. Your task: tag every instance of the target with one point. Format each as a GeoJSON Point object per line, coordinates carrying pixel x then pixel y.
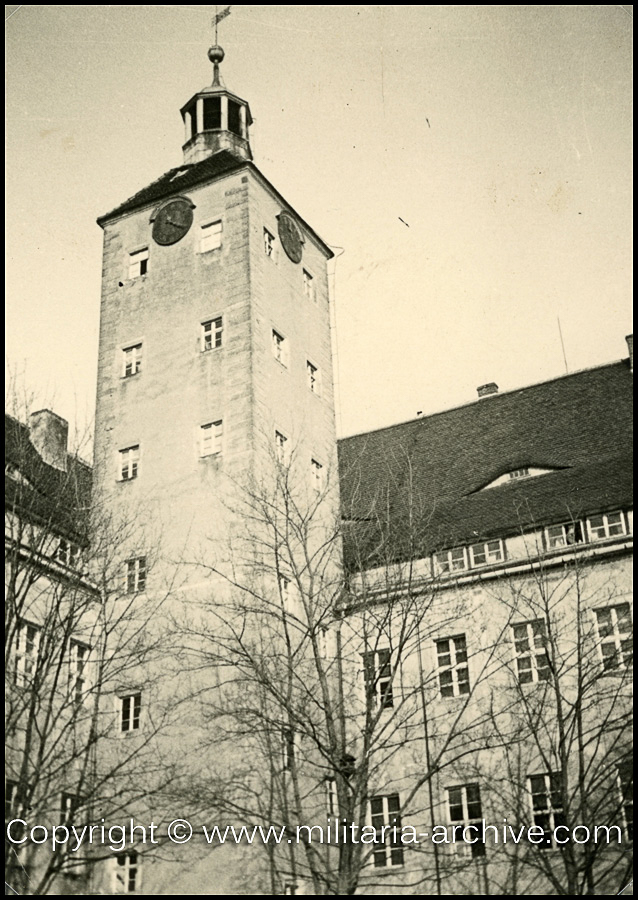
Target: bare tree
{"type": "Point", "coordinates": [79, 644]}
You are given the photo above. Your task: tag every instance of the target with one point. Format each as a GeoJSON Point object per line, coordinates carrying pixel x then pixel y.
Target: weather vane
{"type": "Point", "coordinates": [218, 17]}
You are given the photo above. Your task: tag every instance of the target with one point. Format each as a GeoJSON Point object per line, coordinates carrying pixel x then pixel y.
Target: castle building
{"type": "Point", "coordinates": [427, 625]}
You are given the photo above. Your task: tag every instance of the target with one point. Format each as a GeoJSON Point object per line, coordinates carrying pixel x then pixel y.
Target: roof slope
{"type": "Point", "coordinates": [41, 493]}
{"type": "Point", "coordinates": [416, 487]}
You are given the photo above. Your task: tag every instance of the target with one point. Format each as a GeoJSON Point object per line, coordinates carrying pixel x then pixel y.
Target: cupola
{"type": "Point", "coordinates": [216, 119]}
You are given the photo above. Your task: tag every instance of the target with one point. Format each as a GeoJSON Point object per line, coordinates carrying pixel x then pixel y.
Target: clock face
{"type": "Point", "coordinates": [172, 221]}
{"type": "Point", "coordinates": [290, 236]}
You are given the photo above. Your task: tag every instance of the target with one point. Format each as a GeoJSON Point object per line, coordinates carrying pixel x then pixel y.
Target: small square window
{"type": "Point", "coordinates": [131, 360]}
{"type": "Point", "coordinates": [308, 285]}
{"type": "Point", "coordinates": [281, 448]}
{"type": "Point", "coordinates": [316, 476]}
{"type": "Point", "coordinates": [280, 348]}
{"type": "Point", "coordinates": [130, 712]}
{"type": "Point", "coordinates": [210, 236]}
{"type": "Point", "coordinates": [138, 263]}
{"type": "Point", "coordinates": [129, 463]}
{"type": "Point", "coordinates": [314, 378]}
{"type": "Point", "coordinates": [212, 334]}
{"type": "Point", "coordinates": [270, 244]}
{"type": "Point", "coordinates": [211, 437]}
{"type": "Point", "coordinates": [135, 575]}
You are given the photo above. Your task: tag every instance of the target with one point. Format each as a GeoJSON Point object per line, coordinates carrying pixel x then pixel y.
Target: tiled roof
{"type": "Point", "coordinates": [41, 493]}
{"type": "Point", "coordinates": [416, 487]}
{"type": "Point", "coordinates": [182, 178]}
{"type": "Point", "coordinates": [178, 180]}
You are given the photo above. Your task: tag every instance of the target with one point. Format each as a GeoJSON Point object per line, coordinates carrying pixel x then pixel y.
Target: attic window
{"type": "Point", "coordinates": [234, 117]}
{"type": "Point", "coordinates": [523, 472]}
{"type": "Point", "coordinates": [180, 173]}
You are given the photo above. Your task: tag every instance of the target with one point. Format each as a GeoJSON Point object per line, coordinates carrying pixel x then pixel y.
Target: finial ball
{"type": "Point", "coordinates": [216, 54]}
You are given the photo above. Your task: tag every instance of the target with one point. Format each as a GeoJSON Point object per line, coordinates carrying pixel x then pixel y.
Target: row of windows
{"type": "Point", "coordinates": [212, 338]}
{"type": "Point", "coordinates": [16, 800]}
{"type": "Point", "coordinates": [210, 238]}
{"type": "Point", "coordinates": [566, 534]}
{"type": "Point", "coordinates": [211, 444]}
{"type": "Point", "coordinates": [614, 632]}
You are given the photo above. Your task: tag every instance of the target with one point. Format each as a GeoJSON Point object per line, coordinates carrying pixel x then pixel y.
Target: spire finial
{"type": "Point", "coordinates": [216, 54]}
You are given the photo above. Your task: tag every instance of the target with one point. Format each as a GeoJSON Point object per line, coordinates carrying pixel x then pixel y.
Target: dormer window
{"type": "Point", "coordinates": [518, 474]}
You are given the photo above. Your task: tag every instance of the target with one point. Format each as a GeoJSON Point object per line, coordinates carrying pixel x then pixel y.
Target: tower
{"type": "Point", "coordinates": [215, 330]}
{"type": "Point", "coordinates": [214, 367]}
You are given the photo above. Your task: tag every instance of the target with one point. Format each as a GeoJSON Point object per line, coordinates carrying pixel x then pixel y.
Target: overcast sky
{"type": "Point", "coordinates": [473, 162]}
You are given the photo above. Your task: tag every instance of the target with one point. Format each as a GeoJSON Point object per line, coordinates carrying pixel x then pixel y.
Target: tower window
{"type": "Point", "coordinates": [138, 263]}
{"type": "Point", "coordinates": [212, 332]}
{"type": "Point", "coordinates": [314, 377]}
{"type": "Point", "coordinates": [212, 113]}
{"type": "Point", "coordinates": [308, 285]}
{"type": "Point", "coordinates": [210, 236]}
{"type": "Point", "coordinates": [135, 575]}
{"type": "Point", "coordinates": [270, 244]}
{"type": "Point", "coordinates": [129, 463]}
{"type": "Point", "coordinates": [210, 439]}
{"type": "Point", "coordinates": [280, 348]}
{"type": "Point", "coordinates": [281, 448]}
{"type": "Point", "coordinates": [316, 475]}
{"type": "Point", "coordinates": [131, 360]}
{"type": "Point", "coordinates": [234, 117]}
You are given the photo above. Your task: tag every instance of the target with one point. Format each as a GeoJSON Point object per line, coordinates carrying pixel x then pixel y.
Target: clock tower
{"type": "Point", "coordinates": [215, 345]}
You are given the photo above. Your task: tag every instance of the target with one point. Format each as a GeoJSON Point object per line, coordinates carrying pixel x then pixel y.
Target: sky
{"type": "Point", "coordinates": [470, 166]}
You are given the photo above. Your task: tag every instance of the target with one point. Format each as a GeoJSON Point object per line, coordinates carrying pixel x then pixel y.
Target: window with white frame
{"type": "Point", "coordinates": [27, 646]}
{"type": "Point", "coordinates": [78, 657]}
{"type": "Point", "coordinates": [316, 476]}
{"type": "Point", "coordinates": [288, 749]}
{"type": "Point", "coordinates": [126, 873]}
{"type": "Point", "coordinates": [280, 348]}
{"type": "Point", "coordinates": [130, 710]}
{"type": "Point", "coordinates": [332, 797]}
{"type": "Point", "coordinates": [377, 674]}
{"type": "Point", "coordinates": [308, 285]}
{"type": "Point", "coordinates": [131, 360]}
{"type": "Point", "coordinates": [313, 376]}
{"type": "Point", "coordinates": [67, 553]}
{"type": "Point", "coordinates": [281, 448]}
{"type": "Point", "coordinates": [451, 560]}
{"type": "Point", "coordinates": [270, 244]}
{"type": "Point", "coordinates": [210, 236]}
{"type": "Point", "coordinates": [135, 575]}
{"type": "Point", "coordinates": [138, 263]}
{"type": "Point", "coordinates": [625, 787]}
{"type": "Point", "coordinates": [211, 438]}
{"type": "Point", "coordinates": [464, 809]}
{"type": "Point", "coordinates": [385, 818]}
{"type": "Point", "coordinates": [563, 535]}
{"type": "Point", "coordinates": [69, 805]}
{"type": "Point", "coordinates": [605, 526]}
{"type": "Point", "coordinates": [487, 553]}
{"type": "Point", "coordinates": [615, 635]}
{"type": "Point", "coordinates": [530, 643]}
{"type": "Point", "coordinates": [129, 462]}
{"type": "Point", "coordinates": [547, 804]}
{"type": "Point", "coordinates": [212, 332]}
{"type": "Point", "coordinates": [454, 676]}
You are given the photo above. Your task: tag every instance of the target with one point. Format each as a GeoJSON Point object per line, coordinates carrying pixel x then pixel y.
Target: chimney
{"type": "Point", "coordinates": [630, 347]}
{"type": "Point", "coordinates": [49, 435]}
{"type": "Point", "coordinates": [486, 390]}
